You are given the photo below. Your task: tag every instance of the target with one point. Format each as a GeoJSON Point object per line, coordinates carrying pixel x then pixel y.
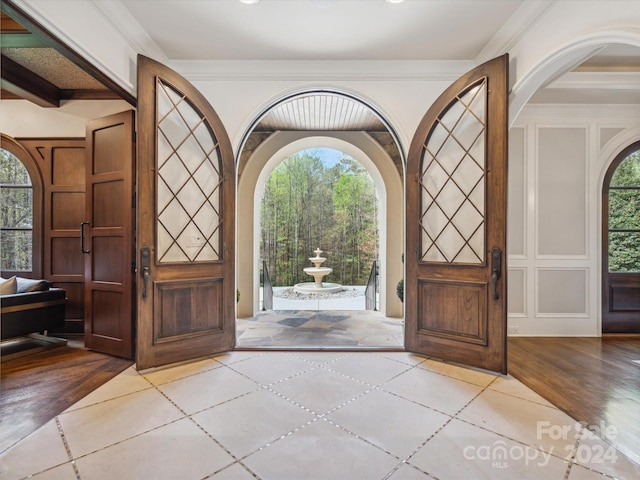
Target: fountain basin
{"type": "Point", "coordinates": [318, 273]}
{"type": "Point", "coordinates": [311, 287]}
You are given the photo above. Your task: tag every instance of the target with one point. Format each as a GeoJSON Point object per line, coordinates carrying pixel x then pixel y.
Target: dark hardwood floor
{"type": "Point", "coordinates": [594, 380]}
{"type": "Point", "coordinates": [36, 388]}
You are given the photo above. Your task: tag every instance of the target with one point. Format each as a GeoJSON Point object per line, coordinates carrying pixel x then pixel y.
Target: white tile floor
{"type": "Point", "coordinates": [313, 415]}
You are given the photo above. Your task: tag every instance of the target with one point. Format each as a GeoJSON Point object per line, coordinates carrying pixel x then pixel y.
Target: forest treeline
{"type": "Point", "coordinates": [308, 205]}
{"type": "Point", "coordinates": [624, 216]}
{"type": "Point", "coordinates": [16, 214]}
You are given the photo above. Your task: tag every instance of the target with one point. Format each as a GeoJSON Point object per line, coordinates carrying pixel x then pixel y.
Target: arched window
{"type": "Point", "coordinates": [621, 243]}
{"type": "Point", "coordinates": [20, 212]}
{"type": "Point", "coordinates": [624, 214]}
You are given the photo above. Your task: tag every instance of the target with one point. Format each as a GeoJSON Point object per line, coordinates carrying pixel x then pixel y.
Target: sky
{"type": "Point", "coordinates": [329, 156]}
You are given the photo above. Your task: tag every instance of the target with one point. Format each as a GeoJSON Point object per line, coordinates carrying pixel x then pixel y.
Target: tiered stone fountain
{"type": "Point", "coordinates": [318, 272]}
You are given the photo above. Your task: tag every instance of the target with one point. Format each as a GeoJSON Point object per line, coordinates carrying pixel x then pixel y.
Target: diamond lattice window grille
{"type": "Point", "coordinates": [452, 181]}
{"type": "Point", "coordinates": [189, 182]}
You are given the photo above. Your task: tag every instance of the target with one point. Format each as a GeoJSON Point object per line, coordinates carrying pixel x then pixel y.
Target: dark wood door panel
{"type": "Point", "coordinates": [189, 308]}
{"type": "Point", "coordinates": [622, 307]}
{"type": "Point", "coordinates": [457, 310]}
{"type": "Point", "coordinates": [109, 237]}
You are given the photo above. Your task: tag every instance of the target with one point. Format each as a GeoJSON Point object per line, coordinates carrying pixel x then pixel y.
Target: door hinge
{"type": "Point", "coordinates": [133, 201]}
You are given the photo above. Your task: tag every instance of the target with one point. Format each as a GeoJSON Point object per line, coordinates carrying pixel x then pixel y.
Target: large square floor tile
{"type": "Point", "coordinates": [97, 426]}
{"type": "Point", "coordinates": [178, 450]}
{"type": "Point", "coordinates": [461, 451]}
{"type": "Point", "coordinates": [321, 451]}
{"type": "Point", "coordinates": [252, 421]}
{"type": "Point", "coordinates": [396, 425]}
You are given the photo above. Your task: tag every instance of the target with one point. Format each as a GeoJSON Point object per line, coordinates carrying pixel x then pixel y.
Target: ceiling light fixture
{"type": "Point", "coordinates": [394, 2]}
{"type": "Point", "coordinates": [249, 2]}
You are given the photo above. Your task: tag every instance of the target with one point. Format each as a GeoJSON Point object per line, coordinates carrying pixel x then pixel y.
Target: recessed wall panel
{"type": "Point", "coordinates": [67, 166]}
{"type": "Point", "coordinates": [562, 291]}
{"type": "Point", "coordinates": [66, 258]}
{"type": "Point", "coordinates": [561, 192]}
{"type": "Point", "coordinates": [516, 210]}
{"type": "Point", "coordinates": [517, 292]}
{"type": "Point", "coordinates": [67, 210]}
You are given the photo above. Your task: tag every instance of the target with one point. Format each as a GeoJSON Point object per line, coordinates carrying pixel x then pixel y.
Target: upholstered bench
{"type": "Point", "coordinates": [30, 306]}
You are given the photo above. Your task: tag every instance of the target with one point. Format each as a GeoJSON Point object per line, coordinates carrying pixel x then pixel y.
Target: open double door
{"type": "Point", "coordinates": [455, 295]}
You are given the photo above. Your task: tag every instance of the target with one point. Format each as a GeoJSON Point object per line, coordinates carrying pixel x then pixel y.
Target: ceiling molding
{"type": "Point", "coordinates": [116, 14]}
{"type": "Point", "coordinates": [513, 30]}
{"type": "Point", "coordinates": [322, 70]}
{"type": "Point", "coordinates": [598, 80]}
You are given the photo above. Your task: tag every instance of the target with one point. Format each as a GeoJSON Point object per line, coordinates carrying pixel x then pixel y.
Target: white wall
{"type": "Point", "coordinates": [557, 158]}
{"type": "Point", "coordinates": [21, 118]}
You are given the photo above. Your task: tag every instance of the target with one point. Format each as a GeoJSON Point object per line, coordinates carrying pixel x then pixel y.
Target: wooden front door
{"type": "Point", "coordinates": [455, 290]}
{"type": "Point", "coordinates": [186, 208]}
{"type": "Point", "coordinates": [620, 243]}
{"type": "Point", "coordinates": [107, 235]}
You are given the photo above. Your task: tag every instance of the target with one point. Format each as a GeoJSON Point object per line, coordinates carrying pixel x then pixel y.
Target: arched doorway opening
{"type": "Point", "coordinates": [331, 120]}
{"type": "Point", "coordinates": [318, 202]}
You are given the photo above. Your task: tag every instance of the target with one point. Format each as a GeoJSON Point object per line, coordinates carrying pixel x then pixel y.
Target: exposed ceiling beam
{"type": "Point", "coordinates": [20, 81]}
{"type": "Point", "coordinates": [21, 40]}
{"type": "Point", "coordinates": [16, 20]}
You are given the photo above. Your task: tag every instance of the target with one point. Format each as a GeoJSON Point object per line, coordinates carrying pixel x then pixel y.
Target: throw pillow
{"type": "Point", "coordinates": [8, 286]}
{"type": "Point", "coordinates": [31, 285]}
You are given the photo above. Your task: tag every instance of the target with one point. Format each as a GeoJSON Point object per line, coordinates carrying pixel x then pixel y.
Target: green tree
{"type": "Point", "coordinates": [624, 216]}
{"type": "Point", "coordinates": [299, 214]}
{"type": "Point", "coordinates": [16, 213]}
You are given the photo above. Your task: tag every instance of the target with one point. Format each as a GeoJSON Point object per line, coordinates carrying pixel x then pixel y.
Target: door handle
{"type": "Point", "coordinates": [496, 269]}
{"type": "Point", "coordinates": [82, 225]}
{"type": "Point", "coordinates": [145, 263]}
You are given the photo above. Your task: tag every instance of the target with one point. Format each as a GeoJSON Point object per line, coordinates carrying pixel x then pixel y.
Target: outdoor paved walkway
{"type": "Point", "coordinates": [320, 329]}
{"type": "Point", "coordinates": [329, 323]}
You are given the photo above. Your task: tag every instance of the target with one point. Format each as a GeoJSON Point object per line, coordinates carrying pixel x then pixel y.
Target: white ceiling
{"type": "Point", "coordinates": [321, 29]}
{"type": "Point", "coordinates": [366, 30]}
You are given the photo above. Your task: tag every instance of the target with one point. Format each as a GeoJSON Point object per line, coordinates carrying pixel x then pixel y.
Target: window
{"type": "Point", "coordinates": [21, 191]}
{"type": "Point", "coordinates": [624, 214]}
{"type": "Point", "coordinates": [16, 214]}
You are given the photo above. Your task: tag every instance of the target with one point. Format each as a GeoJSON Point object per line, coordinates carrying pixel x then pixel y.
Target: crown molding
{"type": "Point", "coordinates": [121, 20]}
{"type": "Point", "coordinates": [514, 29]}
{"type": "Point", "coordinates": [303, 70]}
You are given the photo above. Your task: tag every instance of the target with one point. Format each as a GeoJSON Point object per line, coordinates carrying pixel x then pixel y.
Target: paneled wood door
{"type": "Point", "coordinates": [107, 235]}
{"type": "Point", "coordinates": [186, 208]}
{"type": "Point", "coordinates": [455, 291]}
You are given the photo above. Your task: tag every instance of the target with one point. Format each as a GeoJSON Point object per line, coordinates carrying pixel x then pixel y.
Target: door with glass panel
{"type": "Point", "coordinates": [621, 243]}
{"type": "Point", "coordinates": [186, 206]}
{"type": "Point", "coordinates": [455, 288]}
